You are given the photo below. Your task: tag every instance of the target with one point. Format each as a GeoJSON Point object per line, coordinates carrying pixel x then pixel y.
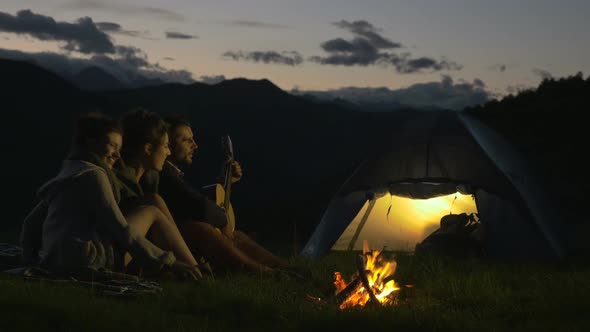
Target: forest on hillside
{"type": "Point", "coordinates": [548, 125]}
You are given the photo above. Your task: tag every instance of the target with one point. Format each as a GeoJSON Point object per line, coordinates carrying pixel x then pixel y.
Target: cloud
{"type": "Point", "coordinates": [359, 51]}
{"type": "Point", "coordinates": [255, 24]}
{"type": "Point", "coordinates": [446, 94]}
{"type": "Point", "coordinates": [130, 65]}
{"type": "Point", "coordinates": [111, 27]}
{"type": "Point", "coordinates": [290, 58]}
{"type": "Point", "coordinates": [212, 79]}
{"type": "Point", "coordinates": [498, 67]}
{"type": "Point", "coordinates": [369, 47]}
{"type": "Point", "coordinates": [108, 26]}
{"type": "Point", "coordinates": [406, 65]}
{"type": "Point", "coordinates": [134, 57]}
{"type": "Point", "coordinates": [127, 63]}
{"type": "Point", "coordinates": [479, 83]}
{"type": "Point", "coordinates": [543, 74]}
{"type": "Point", "coordinates": [121, 9]}
{"type": "Point", "coordinates": [83, 36]}
{"type": "Point", "coordinates": [179, 35]}
{"type": "Point", "coordinates": [368, 31]}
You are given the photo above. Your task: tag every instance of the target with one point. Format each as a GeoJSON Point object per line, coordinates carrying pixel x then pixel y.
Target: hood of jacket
{"type": "Point", "coordinates": [70, 170]}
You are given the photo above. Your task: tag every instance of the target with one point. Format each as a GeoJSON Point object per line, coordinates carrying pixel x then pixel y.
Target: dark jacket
{"type": "Point", "coordinates": [127, 185]}
{"type": "Point", "coordinates": [185, 202]}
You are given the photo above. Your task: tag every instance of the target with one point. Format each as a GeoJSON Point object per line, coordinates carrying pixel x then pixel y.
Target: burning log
{"type": "Point", "coordinates": [348, 291]}
{"type": "Point", "coordinates": [361, 263]}
{"type": "Point", "coordinates": [372, 282]}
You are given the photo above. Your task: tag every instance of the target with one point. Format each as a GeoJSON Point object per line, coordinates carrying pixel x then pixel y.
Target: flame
{"type": "Point", "coordinates": [378, 272]}
{"type": "Point", "coordinates": [339, 282]}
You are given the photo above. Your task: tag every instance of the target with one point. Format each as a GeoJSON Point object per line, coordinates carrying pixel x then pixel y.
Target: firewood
{"type": "Point", "coordinates": [350, 289]}
{"type": "Point", "coordinates": [360, 265]}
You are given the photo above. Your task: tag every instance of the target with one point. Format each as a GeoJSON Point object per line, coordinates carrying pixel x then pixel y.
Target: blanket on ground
{"type": "Point", "coordinates": [101, 281]}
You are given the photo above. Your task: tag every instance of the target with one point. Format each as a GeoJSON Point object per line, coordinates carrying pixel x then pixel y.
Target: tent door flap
{"type": "Point", "coordinates": [361, 224]}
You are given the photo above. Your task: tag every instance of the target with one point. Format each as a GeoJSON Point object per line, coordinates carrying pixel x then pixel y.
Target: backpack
{"type": "Point", "coordinates": [458, 236]}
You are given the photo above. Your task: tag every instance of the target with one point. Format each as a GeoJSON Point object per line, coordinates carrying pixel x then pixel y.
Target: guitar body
{"type": "Point", "coordinates": [229, 210]}
{"type": "Point", "coordinates": [216, 193]}
{"type": "Point", "coordinates": [220, 193]}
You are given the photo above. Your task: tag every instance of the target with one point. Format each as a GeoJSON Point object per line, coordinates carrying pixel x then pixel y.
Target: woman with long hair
{"type": "Point", "coordinates": [145, 151]}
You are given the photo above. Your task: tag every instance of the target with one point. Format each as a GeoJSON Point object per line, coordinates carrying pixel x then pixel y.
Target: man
{"type": "Point", "coordinates": [204, 224]}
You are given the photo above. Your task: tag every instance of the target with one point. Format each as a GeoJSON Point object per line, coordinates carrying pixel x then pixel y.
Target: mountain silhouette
{"type": "Point", "coordinates": [95, 79]}
{"type": "Point", "coordinates": [140, 80]}
{"type": "Point", "coordinates": [20, 77]}
{"type": "Point", "coordinates": [363, 106]}
{"type": "Point", "coordinates": [251, 88]}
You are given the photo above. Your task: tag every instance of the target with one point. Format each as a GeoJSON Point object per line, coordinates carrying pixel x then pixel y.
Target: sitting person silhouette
{"type": "Point", "coordinates": [204, 224]}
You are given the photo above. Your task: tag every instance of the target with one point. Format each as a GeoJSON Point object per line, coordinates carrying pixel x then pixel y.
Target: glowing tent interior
{"type": "Point", "coordinates": [433, 164]}
{"type": "Point", "coordinates": [398, 223]}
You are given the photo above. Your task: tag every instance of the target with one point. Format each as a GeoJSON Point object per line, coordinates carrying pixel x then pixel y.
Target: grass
{"type": "Point", "coordinates": [448, 295]}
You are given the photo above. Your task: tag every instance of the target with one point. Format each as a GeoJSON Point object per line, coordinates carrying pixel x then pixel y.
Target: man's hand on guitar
{"type": "Point", "coordinates": [237, 172]}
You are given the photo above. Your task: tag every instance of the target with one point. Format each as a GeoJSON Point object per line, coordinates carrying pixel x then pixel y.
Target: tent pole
{"type": "Point", "coordinates": [362, 224]}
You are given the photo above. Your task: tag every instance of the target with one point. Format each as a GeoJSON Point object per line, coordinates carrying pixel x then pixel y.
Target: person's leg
{"type": "Point", "coordinates": [151, 221]}
{"type": "Point", "coordinates": [158, 201]}
{"type": "Point", "coordinates": [257, 252]}
{"type": "Point", "coordinates": [219, 250]}
{"type": "Point", "coordinates": [149, 199]}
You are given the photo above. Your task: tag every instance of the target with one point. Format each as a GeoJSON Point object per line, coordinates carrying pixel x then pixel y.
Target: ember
{"type": "Point", "coordinates": [371, 282]}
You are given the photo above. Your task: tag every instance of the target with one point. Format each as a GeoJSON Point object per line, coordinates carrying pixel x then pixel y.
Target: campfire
{"type": "Point", "coordinates": [371, 283]}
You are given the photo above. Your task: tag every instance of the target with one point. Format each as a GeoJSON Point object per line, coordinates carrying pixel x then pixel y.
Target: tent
{"type": "Point", "coordinates": [434, 164]}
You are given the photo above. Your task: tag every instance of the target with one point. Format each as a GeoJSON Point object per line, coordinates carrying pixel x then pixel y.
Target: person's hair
{"type": "Point", "coordinates": [174, 121]}
{"type": "Point", "coordinates": [93, 127]}
{"type": "Point", "coordinates": [141, 126]}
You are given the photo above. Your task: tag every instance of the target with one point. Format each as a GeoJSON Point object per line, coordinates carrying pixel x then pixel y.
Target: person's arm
{"type": "Point", "coordinates": [227, 231]}
{"type": "Point", "coordinates": [30, 235]}
{"type": "Point", "coordinates": [108, 213]}
{"type": "Point", "coordinates": [236, 173]}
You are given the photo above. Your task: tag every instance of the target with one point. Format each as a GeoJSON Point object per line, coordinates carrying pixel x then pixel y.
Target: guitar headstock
{"type": "Point", "coordinates": [228, 148]}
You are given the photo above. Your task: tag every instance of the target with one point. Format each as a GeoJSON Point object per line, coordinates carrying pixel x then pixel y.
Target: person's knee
{"type": "Point", "coordinates": [153, 198]}
{"type": "Point", "coordinates": [158, 199]}
{"type": "Point", "coordinates": [197, 226]}
{"type": "Point", "coordinates": [155, 213]}
{"type": "Point", "coordinates": [142, 218]}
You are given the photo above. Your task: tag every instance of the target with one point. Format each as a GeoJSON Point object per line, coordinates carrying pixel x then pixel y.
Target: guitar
{"type": "Point", "coordinates": [222, 191]}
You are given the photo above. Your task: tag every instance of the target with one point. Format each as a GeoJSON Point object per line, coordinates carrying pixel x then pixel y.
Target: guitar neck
{"type": "Point", "coordinates": [228, 168]}
{"type": "Point", "coordinates": [227, 182]}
